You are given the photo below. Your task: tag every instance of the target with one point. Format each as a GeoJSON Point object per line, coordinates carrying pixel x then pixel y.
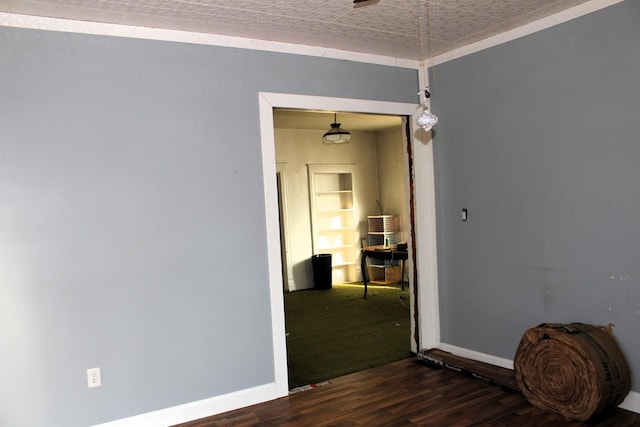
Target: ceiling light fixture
{"type": "Point", "coordinates": [336, 135]}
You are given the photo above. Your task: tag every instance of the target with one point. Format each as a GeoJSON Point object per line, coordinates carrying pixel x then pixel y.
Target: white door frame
{"type": "Point", "coordinates": [425, 221]}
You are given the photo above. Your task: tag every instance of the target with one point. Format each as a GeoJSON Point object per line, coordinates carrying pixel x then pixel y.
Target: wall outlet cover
{"type": "Point", "coordinates": [93, 377]}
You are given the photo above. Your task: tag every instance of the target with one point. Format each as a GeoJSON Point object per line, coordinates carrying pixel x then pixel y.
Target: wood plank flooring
{"type": "Point", "coordinates": [405, 393]}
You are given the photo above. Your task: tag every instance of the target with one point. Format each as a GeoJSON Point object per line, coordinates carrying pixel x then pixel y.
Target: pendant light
{"type": "Point", "coordinates": [336, 135]}
{"type": "Point", "coordinates": [426, 120]}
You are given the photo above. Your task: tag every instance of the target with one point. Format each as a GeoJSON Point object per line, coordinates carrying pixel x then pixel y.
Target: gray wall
{"type": "Point", "coordinates": [132, 228]}
{"type": "Point", "coordinates": [540, 139]}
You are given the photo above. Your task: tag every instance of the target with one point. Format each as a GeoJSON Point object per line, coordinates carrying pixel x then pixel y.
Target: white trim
{"type": "Point", "coordinates": [425, 219]}
{"type": "Point", "coordinates": [630, 403]}
{"type": "Point", "coordinates": [525, 30]}
{"type": "Point", "coordinates": [199, 409]}
{"type": "Point", "coordinates": [130, 31]}
{"type": "Point", "coordinates": [426, 244]}
{"type": "Point", "coordinates": [307, 102]}
{"type": "Point", "coordinates": [274, 261]}
{"type": "Point", "coordinates": [475, 355]}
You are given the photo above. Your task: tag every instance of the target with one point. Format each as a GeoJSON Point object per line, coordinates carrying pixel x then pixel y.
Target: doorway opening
{"type": "Point", "coordinates": [425, 328]}
{"type": "Point", "coordinates": [338, 199]}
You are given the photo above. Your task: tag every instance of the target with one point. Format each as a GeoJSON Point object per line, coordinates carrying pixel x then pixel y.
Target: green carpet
{"type": "Point", "coordinates": [335, 332]}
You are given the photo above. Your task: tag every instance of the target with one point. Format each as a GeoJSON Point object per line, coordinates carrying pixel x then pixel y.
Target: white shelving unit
{"type": "Point", "coordinates": [333, 218]}
{"type": "Point", "coordinates": [383, 230]}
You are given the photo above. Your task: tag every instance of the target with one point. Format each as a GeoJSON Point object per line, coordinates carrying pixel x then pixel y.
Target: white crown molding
{"type": "Point", "coordinates": [128, 31]}
{"type": "Point", "coordinates": [115, 30]}
{"type": "Point", "coordinates": [525, 30]}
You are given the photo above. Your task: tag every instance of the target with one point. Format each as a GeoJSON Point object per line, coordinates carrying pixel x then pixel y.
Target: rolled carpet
{"type": "Point", "coordinates": [576, 370]}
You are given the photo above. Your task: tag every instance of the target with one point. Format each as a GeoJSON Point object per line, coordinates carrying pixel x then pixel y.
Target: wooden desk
{"type": "Point", "coordinates": [385, 253]}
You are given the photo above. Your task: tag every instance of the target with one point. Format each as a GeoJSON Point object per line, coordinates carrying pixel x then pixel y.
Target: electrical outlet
{"type": "Point", "coordinates": [93, 377]}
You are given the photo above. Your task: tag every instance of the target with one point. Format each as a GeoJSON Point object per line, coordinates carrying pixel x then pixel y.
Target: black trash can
{"type": "Point", "coordinates": [321, 271]}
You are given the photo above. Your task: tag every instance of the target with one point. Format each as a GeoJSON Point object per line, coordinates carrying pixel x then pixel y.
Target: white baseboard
{"type": "Point", "coordinates": [631, 403]}
{"type": "Point", "coordinates": [475, 355]}
{"type": "Point", "coordinates": [199, 409]}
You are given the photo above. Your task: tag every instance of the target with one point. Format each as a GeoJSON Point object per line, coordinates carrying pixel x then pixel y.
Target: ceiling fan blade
{"type": "Point", "coordinates": [361, 3]}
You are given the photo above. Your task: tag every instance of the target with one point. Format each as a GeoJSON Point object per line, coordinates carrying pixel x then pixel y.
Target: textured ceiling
{"type": "Point", "coordinates": [407, 29]}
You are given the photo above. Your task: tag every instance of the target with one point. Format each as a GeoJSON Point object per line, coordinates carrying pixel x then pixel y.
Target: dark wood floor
{"type": "Point", "coordinates": [405, 393]}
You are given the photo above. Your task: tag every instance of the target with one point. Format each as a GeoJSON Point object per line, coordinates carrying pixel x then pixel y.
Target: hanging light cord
{"type": "Point", "coordinates": [431, 53]}
{"type": "Point", "coordinates": [426, 120]}
{"type": "Point", "coordinates": [423, 54]}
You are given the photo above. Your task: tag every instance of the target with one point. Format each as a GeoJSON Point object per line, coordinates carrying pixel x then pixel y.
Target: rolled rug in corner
{"type": "Point", "coordinates": [576, 370]}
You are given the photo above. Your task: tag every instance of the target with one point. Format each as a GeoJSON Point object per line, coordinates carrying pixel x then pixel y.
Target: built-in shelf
{"type": "Point", "coordinates": [333, 221]}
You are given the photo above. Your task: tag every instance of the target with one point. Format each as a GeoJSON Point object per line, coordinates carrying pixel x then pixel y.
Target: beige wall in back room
{"type": "Point", "coordinates": [391, 176]}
